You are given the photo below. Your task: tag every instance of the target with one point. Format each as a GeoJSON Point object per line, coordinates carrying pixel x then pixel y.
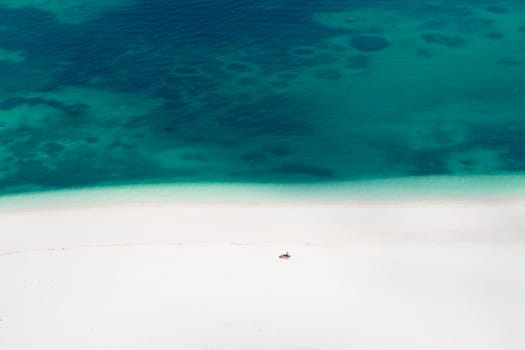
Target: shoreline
{"type": "Point", "coordinates": [487, 189]}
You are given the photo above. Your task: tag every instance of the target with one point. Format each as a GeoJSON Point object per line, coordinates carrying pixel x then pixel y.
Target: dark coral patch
{"type": "Point", "coordinates": [278, 150]}
{"type": "Point", "coordinates": [247, 81]}
{"type": "Point", "coordinates": [496, 9]}
{"type": "Point", "coordinates": [53, 148]}
{"type": "Point", "coordinates": [280, 84]}
{"type": "Point", "coordinates": [72, 110]}
{"type": "Point", "coordinates": [358, 62]}
{"type": "Point", "coordinates": [509, 62]}
{"type": "Point", "coordinates": [12, 102]}
{"type": "Point", "coordinates": [434, 24]}
{"type": "Point", "coordinates": [424, 53]}
{"type": "Point", "coordinates": [272, 115]}
{"type": "Point", "coordinates": [75, 110]}
{"type": "Point", "coordinates": [444, 40]}
{"type": "Point", "coordinates": [328, 74]}
{"type": "Point", "coordinates": [368, 43]}
{"type": "Point", "coordinates": [494, 35]}
{"type": "Point", "coordinates": [303, 51]}
{"type": "Point", "coordinates": [287, 76]}
{"type": "Point", "coordinates": [301, 169]}
{"type": "Point", "coordinates": [428, 163]}
{"type": "Point", "coordinates": [254, 157]}
{"type": "Point", "coordinates": [186, 71]}
{"type": "Point", "coordinates": [214, 101]}
{"type": "Point", "coordinates": [92, 139]}
{"type": "Point", "coordinates": [239, 67]}
{"type": "Point", "coordinates": [475, 25]}
{"type": "Point", "coordinates": [265, 154]}
{"type": "Point", "coordinates": [339, 48]}
{"type": "Point", "coordinates": [194, 156]}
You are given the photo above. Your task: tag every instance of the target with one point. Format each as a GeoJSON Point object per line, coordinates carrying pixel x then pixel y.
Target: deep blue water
{"type": "Point", "coordinates": [258, 92]}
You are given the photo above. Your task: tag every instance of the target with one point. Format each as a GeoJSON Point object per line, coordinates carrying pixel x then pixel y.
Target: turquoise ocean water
{"type": "Point", "coordinates": [104, 92]}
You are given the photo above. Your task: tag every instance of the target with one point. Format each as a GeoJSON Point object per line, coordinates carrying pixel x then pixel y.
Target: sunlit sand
{"type": "Point", "coordinates": [145, 270]}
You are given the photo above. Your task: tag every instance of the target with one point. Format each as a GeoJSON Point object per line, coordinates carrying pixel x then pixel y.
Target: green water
{"type": "Point", "coordinates": [134, 92]}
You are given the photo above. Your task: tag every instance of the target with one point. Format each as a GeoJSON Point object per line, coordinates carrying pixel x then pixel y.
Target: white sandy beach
{"type": "Point", "coordinates": [150, 271]}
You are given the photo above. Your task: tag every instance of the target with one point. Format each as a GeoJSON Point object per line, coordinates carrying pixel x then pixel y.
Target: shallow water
{"type": "Point", "coordinates": [131, 91]}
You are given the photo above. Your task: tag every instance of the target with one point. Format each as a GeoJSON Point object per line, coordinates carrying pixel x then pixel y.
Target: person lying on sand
{"type": "Point", "coordinates": [285, 256]}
